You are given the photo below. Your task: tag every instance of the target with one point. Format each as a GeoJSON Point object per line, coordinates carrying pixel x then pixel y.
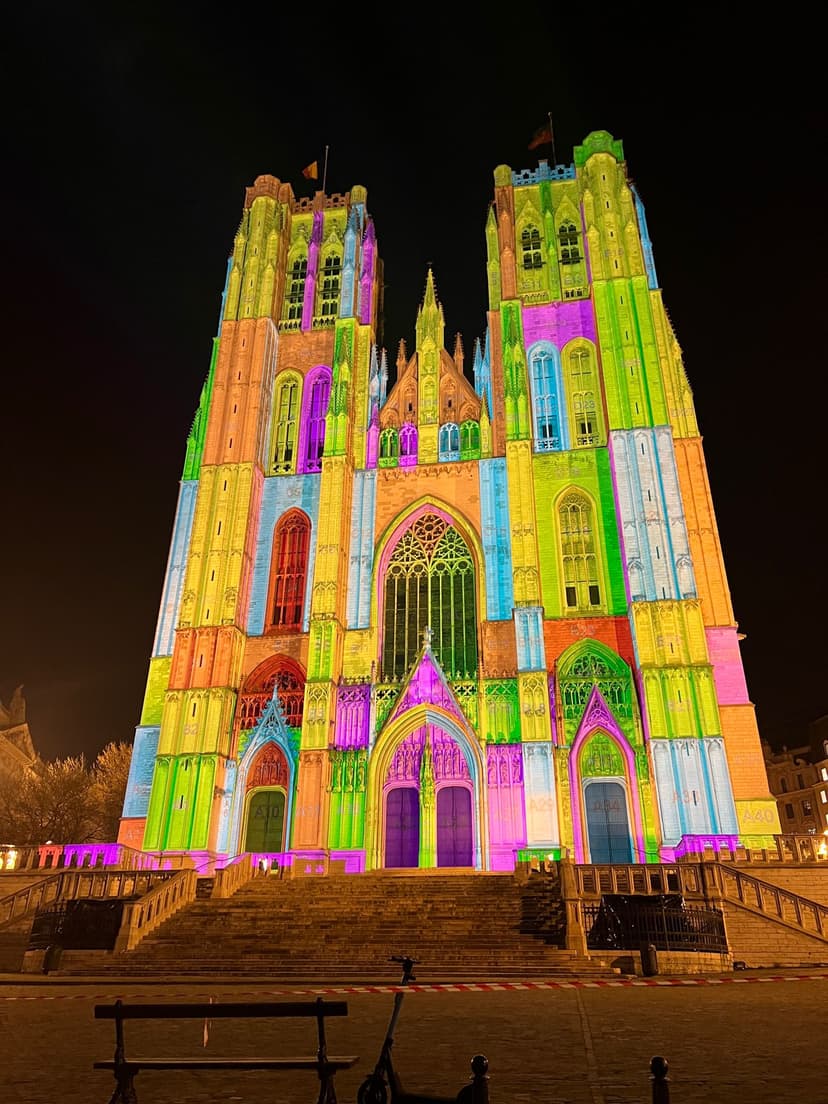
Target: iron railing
{"type": "Point", "coordinates": [621, 924]}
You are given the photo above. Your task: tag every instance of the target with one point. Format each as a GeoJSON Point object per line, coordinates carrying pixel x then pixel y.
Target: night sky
{"type": "Point", "coordinates": [130, 134]}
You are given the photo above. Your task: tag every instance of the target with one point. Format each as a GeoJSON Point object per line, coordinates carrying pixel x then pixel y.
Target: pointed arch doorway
{"type": "Point", "coordinates": [265, 821]}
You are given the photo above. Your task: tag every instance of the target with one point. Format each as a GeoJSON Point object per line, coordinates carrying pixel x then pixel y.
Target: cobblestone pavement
{"type": "Point", "coordinates": [725, 1043]}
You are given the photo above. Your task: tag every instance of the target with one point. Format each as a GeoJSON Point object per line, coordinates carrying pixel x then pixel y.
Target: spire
{"type": "Point", "coordinates": [402, 357]}
{"type": "Point", "coordinates": [430, 321]}
{"type": "Point", "coordinates": [458, 352]}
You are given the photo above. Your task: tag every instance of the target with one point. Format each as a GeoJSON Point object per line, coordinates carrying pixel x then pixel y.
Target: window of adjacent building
{"type": "Point", "coordinates": [824, 773]}
{"type": "Point", "coordinates": [823, 796]}
{"type": "Point", "coordinates": [530, 244]}
{"type": "Point", "coordinates": [331, 278]}
{"type": "Point", "coordinates": [545, 401]}
{"type": "Point", "coordinates": [430, 581]}
{"type": "Point", "coordinates": [578, 556]}
{"type": "Point", "coordinates": [287, 409]}
{"type": "Point", "coordinates": [783, 785]}
{"type": "Point", "coordinates": [807, 808]}
{"type": "Point", "coordinates": [789, 811]}
{"type": "Point", "coordinates": [295, 296]}
{"type": "Point", "coordinates": [800, 782]}
{"type": "Point", "coordinates": [289, 566]}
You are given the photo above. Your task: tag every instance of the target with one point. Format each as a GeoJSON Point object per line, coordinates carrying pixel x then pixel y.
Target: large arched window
{"type": "Point", "coordinates": [545, 404]}
{"type": "Point", "coordinates": [285, 427]}
{"type": "Point", "coordinates": [579, 559]}
{"type": "Point", "coordinates": [430, 582]}
{"type": "Point", "coordinates": [288, 571]}
{"type": "Point", "coordinates": [314, 421]}
{"type": "Point", "coordinates": [279, 673]}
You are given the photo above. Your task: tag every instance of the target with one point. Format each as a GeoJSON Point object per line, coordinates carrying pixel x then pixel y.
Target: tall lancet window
{"type": "Point", "coordinates": [317, 409]}
{"type": "Point", "coordinates": [586, 423]}
{"type": "Point", "coordinates": [579, 559]}
{"type": "Point", "coordinates": [287, 410]}
{"type": "Point", "coordinates": [568, 251]}
{"type": "Point", "coordinates": [295, 295]}
{"type": "Point", "coordinates": [430, 581]}
{"type": "Point", "coordinates": [289, 570]}
{"type": "Point", "coordinates": [545, 402]}
{"type": "Point", "coordinates": [331, 278]}
{"type": "Point", "coordinates": [530, 244]}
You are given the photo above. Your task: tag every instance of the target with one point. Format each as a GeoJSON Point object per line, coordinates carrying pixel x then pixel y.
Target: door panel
{"type": "Point", "coordinates": [402, 827]}
{"type": "Point", "coordinates": [455, 845]}
{"type": "Point", "coordinates": [608, 826]}
{"type": "Point", "coordinates": [265, 821]}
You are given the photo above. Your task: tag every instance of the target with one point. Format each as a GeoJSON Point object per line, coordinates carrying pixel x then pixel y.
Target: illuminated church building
{"type": "Point", "coordinates": [441, 623]}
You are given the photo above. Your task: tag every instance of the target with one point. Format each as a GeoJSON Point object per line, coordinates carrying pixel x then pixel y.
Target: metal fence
{"type": "Point", "coordinates": [622, 923]}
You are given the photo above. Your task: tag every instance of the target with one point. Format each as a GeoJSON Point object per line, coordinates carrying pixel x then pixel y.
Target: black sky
{"type": "Point", "coordinates": [131, 132]}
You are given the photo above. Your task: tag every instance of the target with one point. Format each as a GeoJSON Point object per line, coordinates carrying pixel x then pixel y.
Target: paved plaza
{"type": "Point", "coordinates": [748, 1038]}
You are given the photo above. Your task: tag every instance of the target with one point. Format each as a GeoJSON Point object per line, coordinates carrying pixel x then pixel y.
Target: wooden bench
{"type": "Point", "coordinates": [125, 1069]}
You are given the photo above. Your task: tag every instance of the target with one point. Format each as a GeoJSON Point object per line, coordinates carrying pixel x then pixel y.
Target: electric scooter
{"type": "Point", "coordinates": [384, 1081]}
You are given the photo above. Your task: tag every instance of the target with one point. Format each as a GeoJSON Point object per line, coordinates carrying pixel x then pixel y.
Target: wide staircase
{"type": "Point", "coordinates": [345, 928]}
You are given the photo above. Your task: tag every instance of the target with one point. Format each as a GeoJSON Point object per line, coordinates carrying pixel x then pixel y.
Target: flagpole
{"type": "Point", "coordinates": [552, 136]}
{"type": "Point", "coordinates": [325, 170]}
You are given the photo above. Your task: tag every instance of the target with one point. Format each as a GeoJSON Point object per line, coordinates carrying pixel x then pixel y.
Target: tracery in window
{"type": "Point", "coordinates": [545, 401]}
{"type": "Point", "coordinates": [469, 441]}
{"type": "Point", "coordinates": [530, 244]}
{"type": "Point", "coordinates": [295, 294]}
{"type": "Point", "coordinates": [315, 421]}
{"type": "Point", "coordinates": [389, 447]}
{"type": "Point", "coordinates": [330, 280]}
{"type": "Point", "coordinates": [586, 423]}
{"type": "Point", "coordinates": [289, 569]}
{"type": "Point", "coordinates": [430, 581]}
{"type": "Point", "coordinates": [408, 445]}
{"type": "Point", "coordinates": [578, 556]}
{"type": "Point", "coordinates": [568, 251]}
{"type": "Point", "coordinates": [449, 441]}
{"type": "Point", "coordinates": [287, 410]}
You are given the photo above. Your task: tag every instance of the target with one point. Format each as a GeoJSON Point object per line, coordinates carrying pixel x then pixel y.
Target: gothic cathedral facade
{"type": "Point", "coordinates": [467, 619]}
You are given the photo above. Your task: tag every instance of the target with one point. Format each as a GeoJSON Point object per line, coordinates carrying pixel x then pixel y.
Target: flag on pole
{"type": "Point", "coordinates": [311, 171]}
{"type": "Point", "coordinates": [542, 136]}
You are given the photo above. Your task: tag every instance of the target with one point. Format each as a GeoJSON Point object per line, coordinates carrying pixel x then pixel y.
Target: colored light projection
{"type": "Point", "coordinates": [465, 620]}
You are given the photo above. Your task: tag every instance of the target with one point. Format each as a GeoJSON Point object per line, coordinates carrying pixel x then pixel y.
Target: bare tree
{"type": "Point", "coordinates": [110, 773]}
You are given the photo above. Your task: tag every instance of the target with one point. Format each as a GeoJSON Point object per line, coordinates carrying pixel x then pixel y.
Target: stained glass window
{"type": "Point", "coordinates": [430, 582]}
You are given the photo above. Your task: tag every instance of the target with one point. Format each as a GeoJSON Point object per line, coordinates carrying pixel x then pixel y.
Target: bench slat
{"type": "Point", "coordinates": [136, 1064]}
{"type": "Point", "coordinates": [220, 1011]}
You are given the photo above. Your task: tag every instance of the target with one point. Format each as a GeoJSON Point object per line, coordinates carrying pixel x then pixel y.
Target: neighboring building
{"type": "Point", "coordinates": [16, 748]}
{"type": "Point", "coordinates": [447, 623]}
{"type": "Point", "coordinates": [798, 779]}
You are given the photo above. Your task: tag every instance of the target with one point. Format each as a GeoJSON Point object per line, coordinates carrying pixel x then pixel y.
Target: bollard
{"type": "Point", "coordinates": [477, 1092]}
{"type": "Point", "coordinates": [661, 1082]}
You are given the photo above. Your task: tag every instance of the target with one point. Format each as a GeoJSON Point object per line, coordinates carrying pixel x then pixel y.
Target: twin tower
{"type": "Point", "coordinates": [446, 623]}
